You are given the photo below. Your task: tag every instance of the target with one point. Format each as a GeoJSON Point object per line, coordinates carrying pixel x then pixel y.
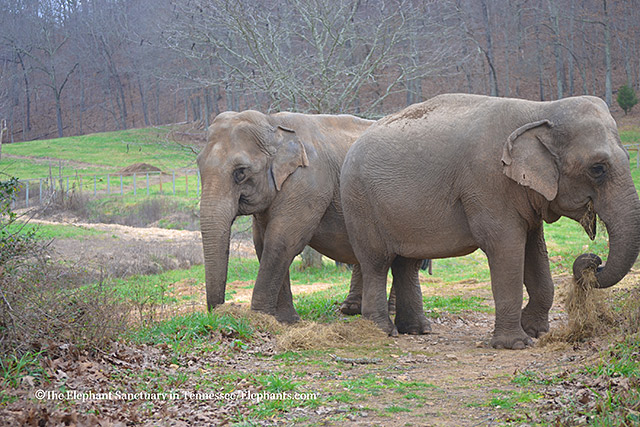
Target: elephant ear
{"type": "Point", "coordinates": [289, 155]}
{"type": "Point", "coordinates": [528, 158]}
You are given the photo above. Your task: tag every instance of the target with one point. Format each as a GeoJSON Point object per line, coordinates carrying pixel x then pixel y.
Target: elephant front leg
{"type": "Point", "coordinates": [269, 296]}
{"type": "Point", "coordinates": [539, 284]}
{"type": "Point", "coordinates": [285, 312]}
{"type": "Point", "coordinates": [506, 264]}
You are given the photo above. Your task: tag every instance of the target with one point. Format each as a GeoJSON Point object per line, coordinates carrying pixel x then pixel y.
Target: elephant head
{"type": "Point", "coordinates": [246, 162]}
{"type": "Point", "coordinates": [574, 159]}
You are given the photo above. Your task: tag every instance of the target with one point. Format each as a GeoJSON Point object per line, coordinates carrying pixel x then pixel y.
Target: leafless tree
{"type": "Point", "coordinates": [311, 55]}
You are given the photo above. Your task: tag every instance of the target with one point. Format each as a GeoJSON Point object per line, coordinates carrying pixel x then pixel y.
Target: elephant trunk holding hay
{"type": "Point", "coordinates": [284, 170]}
{"type": "Point", "coordinates": [496, 169]}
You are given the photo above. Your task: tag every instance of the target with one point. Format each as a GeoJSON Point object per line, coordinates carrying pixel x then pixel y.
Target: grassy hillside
{"type": "Point", "coordinates": [96, 153]}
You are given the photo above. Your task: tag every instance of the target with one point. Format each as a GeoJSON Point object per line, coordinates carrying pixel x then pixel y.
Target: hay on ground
{"type": "Point", "coordinates": [312, 335]}
{"type": "Point", "coordinates": [260, 321]}
{"type": "Point", "coordinates": [309, 335]}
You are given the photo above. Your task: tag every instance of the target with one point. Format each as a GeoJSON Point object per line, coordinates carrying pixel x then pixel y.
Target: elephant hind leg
{"type": "Point", "coordinates": [410, 317]}
{"type": "Point", "coordinates": [374, 296]}
{"type": "Point", "coordinates": [353, 303]}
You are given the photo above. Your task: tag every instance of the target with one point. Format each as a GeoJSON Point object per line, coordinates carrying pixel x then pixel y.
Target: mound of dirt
{"type": "Point", "coordinates": [138, 168]}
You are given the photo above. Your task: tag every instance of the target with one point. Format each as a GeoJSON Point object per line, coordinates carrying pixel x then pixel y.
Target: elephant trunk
{"type": "Point", "coordinates": [623, 226]}
{"type": "Point", "coordinates": [216, 218]}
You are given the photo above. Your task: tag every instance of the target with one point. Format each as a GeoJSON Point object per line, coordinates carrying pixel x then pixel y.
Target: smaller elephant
{"type": "Point", "coordinates": [496, 169]}
{"type": "Point", "coordinates": [283, 169]}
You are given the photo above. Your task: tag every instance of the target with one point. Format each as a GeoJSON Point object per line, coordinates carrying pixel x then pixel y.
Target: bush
{"type": "Point", "coordinates": [627, 98]}
{"type": "Point", "coordinates": [43, 304]}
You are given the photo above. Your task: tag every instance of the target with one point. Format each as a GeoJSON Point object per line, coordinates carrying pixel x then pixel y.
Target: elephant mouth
{"type": "Point", "coordinates": [589, 219]}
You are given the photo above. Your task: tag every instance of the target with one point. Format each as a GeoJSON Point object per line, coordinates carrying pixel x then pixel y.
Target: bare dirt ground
{"type": "Point", "coordinates": [450, 377]}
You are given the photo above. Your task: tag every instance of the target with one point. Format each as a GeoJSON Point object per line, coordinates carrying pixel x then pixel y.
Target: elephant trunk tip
{"type": "Point", "coordinates": [585, 271]}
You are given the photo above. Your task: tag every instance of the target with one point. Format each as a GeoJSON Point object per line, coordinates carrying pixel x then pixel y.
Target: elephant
{"type": "Point", "coordinates": [496, 170]}
{"type": "Point", "coordinates": [283, 169]}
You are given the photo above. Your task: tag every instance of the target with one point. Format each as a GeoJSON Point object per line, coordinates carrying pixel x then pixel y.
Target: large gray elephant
{"type": "Point", "coordinates": [496, 169]}
{"type": "Point", "coordinates": [284, 170]}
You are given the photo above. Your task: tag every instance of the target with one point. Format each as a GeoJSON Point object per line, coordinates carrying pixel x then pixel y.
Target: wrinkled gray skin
{"type": "Point", "coordinates": [284, 170]}
{"type": "Point", "coordinates": [496, 169]}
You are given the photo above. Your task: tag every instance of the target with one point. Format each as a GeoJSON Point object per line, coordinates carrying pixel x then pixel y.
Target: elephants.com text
{"type": "Point", "coordinates": [84, 396]}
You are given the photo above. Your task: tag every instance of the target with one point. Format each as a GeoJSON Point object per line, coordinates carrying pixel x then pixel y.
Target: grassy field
{"type": "Point", "coordinates": [102, 152]}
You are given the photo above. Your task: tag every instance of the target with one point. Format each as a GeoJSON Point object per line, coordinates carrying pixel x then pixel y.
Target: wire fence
{"type": "Point", "coordinates": [636, 148]}
{"type": "Point", "coordinates": [36, 191]}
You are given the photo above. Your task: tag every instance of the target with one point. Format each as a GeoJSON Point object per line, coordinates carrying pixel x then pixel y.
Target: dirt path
{"type": "Point", "coordinates": [55, 162]}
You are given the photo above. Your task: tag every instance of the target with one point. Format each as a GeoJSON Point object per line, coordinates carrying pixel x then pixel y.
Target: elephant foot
{"type": "Point", "coordinates": [535, 325]}
{"type": "Point", "coordinates": [287, 317]}
{"type": "Point", "coordinates": [283, 316]}
{"type": "Point", "coordinates": [418, 325]}
{"type": "Point", "coordinates": [350, 308]}
{"type": "Point", "coordinates": [514, 341]}
{"type": "Point", "coordinates": [384, 323]}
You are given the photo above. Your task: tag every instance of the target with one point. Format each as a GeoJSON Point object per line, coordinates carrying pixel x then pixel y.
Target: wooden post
{"type": "Point", "coordinates": [3, 129]}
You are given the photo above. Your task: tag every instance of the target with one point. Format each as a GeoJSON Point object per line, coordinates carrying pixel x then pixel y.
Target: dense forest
{"type": "Point", "coordinates": [71, 67]}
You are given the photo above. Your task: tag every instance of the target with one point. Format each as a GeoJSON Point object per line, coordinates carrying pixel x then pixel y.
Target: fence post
{"type": "Point", "coordinates": [121, 187]}
{"type": "Point", "coordinates": [40, 193]}
{"type": "Point", "coordinates": [186, 183]}
{"type": "Point", "coordinates": [160, 179]}
{"type": "Point", "coordinates": [108, 184]}
{"type": "Point", "coordinates": [27, 195]}
{"type": "Point", "coordinates": [147, 183]}
{"type": "Point", "coordinates": [198, 184]}
{"type": "Point", "coordinates": [135, 190]}
{"type": "Point", "coordinates": [174, 182]}
{"type": "Point", "coordinates": [67, 184]}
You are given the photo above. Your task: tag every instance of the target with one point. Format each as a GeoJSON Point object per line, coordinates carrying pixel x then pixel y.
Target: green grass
{"type": "Point", "coordinates": [109, 149]}
{"type": "Point", "coordinates": [27, 168]}
{"type": "Point", "coordinates": [193, 328]}
{"type": "Point", "coordinates": [53, 231]}
{"type": "Point", "coordinates": [454, 304]}
{"type": "Point", "coordinates": [16, 368]}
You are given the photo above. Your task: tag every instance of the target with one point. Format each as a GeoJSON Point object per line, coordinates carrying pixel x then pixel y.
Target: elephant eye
{"type": "Point", "coordinates": [239, 175]}
{"type": "Point", "coordinates": [598, 170]}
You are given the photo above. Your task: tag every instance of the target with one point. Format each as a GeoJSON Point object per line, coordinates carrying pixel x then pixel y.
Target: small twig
{"type": "Point", "coordinates": [356, 361]}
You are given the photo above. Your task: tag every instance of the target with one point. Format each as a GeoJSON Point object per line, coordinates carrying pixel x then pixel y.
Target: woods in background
{"type": "Point", "coordinates": [73, 67]}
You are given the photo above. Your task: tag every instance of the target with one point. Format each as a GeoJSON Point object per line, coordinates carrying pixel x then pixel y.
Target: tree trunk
{"type": "Point", "coordinates": [58, 114]}
{"type": "Point", "coordinates": [493, 78]}
{"type": "Point", "coordinates": [143, 103]}
{"type": "Point", "coordinates": [607, 56]}
{"type": "Point", "coordinates": [311, 258]}
{"type": "Point", "coordinates": [540, 65]}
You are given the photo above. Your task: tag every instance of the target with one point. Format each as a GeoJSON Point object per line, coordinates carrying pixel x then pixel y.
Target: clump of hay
{"type": "Point", "coordinates": [312, 335]}
{"type": "Point", "coordinates": [259, 321]}
{"type": "Point", "coordinates": [588, 309]}
{"type": "Point", "coordinates": [308, 335]}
